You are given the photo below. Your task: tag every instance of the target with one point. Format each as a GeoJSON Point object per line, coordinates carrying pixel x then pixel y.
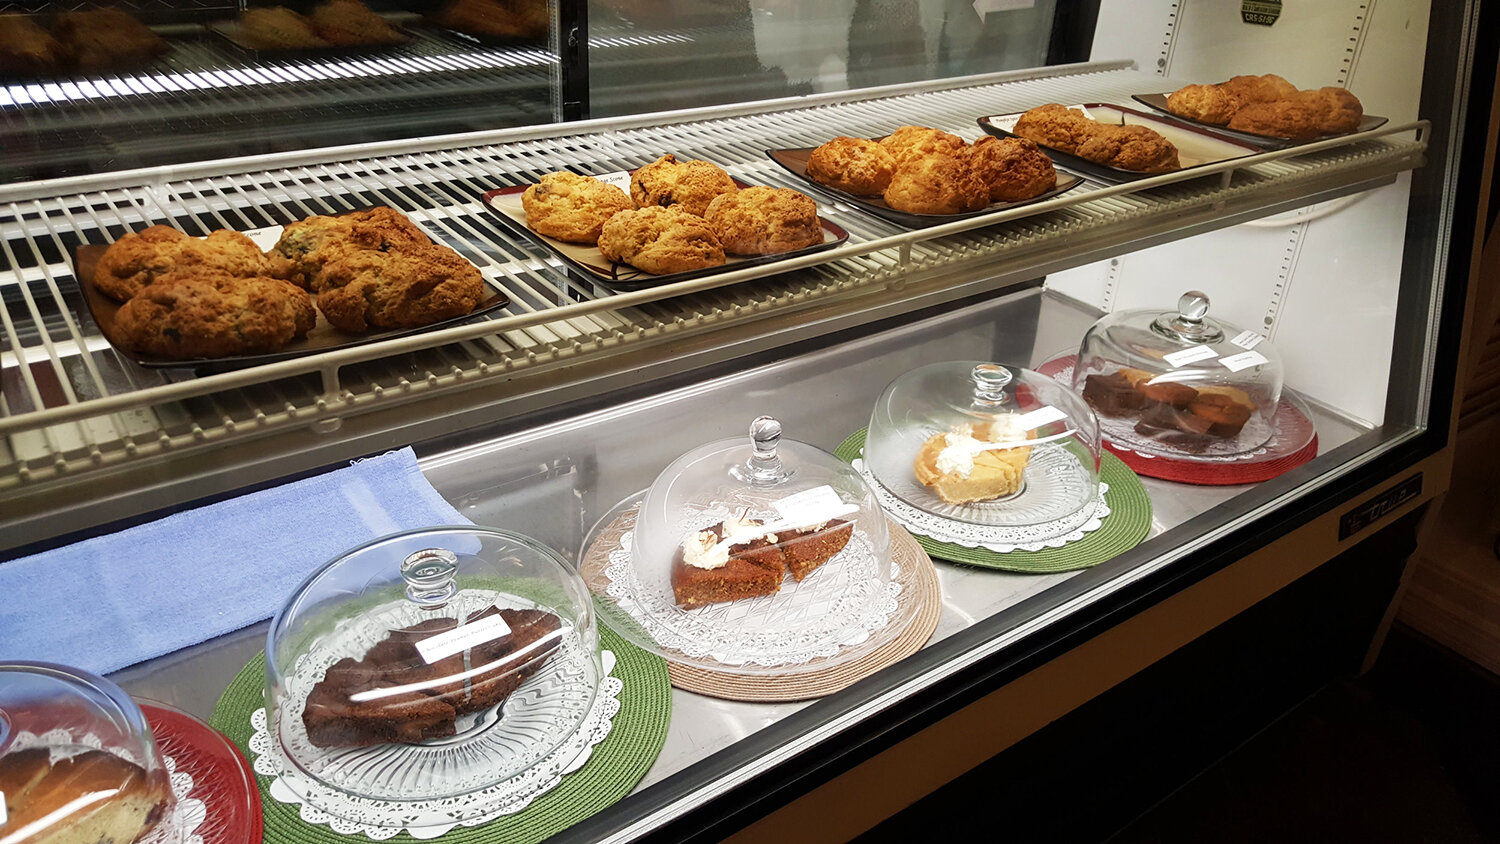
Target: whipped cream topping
{"type": "Point", "coordinates": [959, 447]}
{"type": "Point", "coordinates": [703, 550]}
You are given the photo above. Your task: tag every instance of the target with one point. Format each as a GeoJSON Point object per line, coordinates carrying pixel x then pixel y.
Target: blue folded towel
{"type": "Point", "coordinates": [113, 601]}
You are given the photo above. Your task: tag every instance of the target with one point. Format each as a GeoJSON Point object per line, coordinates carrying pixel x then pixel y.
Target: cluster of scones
{"type": "Point", "coordinates": [1136, 148]}
{"type": "Point", "coordinates": [1164, 405]}
{"type": "Point", "coordinates": [1269, 105]}
{"type": "Point", "coordinates": [89, 41]}
{"type": "Point", "coordinates": [221, 295]}
{"type": "Point", "coordinates": [678, 216]}
{"type": "Point", "coordinates": [921, 170]}
{"type": "Point", "coordinates": [334, 23]}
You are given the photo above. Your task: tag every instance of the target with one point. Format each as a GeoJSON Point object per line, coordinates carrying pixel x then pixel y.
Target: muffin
{"type": "Point", "coordinates": [209, 314]}
{"type": "Point", "coordinates": [1014, 168]}
{"type": "Point", "coordinates": [937, 184]}
{"type": "Point", "coordinates": [571, 207]}
{"type": "Point", "coordinates": [661, 240]}
{"type": "Point", "coordinates": [854, 165]}
{"type": "Point", "coordinates": [690, 185]}
{"type": "Point", "coordinates": [765, 221]}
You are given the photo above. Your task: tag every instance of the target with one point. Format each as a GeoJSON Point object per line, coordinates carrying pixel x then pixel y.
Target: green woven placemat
{"type": "Point", "coordinates": [1128, 522]}
{"type": "Point", "coordinates": [617, 763]}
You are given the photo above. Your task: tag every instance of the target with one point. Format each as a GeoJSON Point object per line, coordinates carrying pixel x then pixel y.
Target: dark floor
{"type": "Point", "coordinates": [1410, 752]}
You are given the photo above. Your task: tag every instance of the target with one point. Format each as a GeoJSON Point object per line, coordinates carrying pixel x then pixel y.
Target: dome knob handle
{"type": "Point", "coordinates": [429, 576]}
{"type": "Point", "coordinates": [990, 383]}
{"type": "Point", "coordinates": [1193, 306]}
{"type": "Point", "coordinates": [764, 468]}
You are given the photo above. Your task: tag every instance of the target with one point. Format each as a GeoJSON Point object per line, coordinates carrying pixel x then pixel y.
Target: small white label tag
{"type": "Point", "coordinates": [620, 180]}
{"type": "Point", "coordinates": [1243, 360]}
{"type": "Point", "coordinates": [810, 506]}
{"type": "Point", "coordinates": [1247, 339]}
{"type": "Point", "coordinates": [984, 7]}
{"type": "Point", "coordinates": [1187, 356]}
{"type": "Point", "coordinates": [448, 643]}
{"type": "Point", "coordinates": [1033, 419]}
{"type": "Point", "coordinates": [3, 816]}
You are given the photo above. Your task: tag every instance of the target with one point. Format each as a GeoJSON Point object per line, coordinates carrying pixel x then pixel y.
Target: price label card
{"type": "Point", "coordinates": [812, 505]}
{"type": "Point", "coordinates": [461, 638]}
{"type": "Point", "coordinates": [1187, 356]}
{"type": "Point", "coordinates": [1248, 339]}
{"type": "Point", "coordinates": [1243, 360]}
{"type": "Point", "coordinates": [620, 180]}
{"type": "Point", "coordinates": [1041, 416]}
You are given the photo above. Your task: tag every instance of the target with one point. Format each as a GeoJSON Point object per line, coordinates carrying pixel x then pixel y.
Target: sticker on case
{"type": "Point", "coordinates": [620, 179]}
{"type": "Point", "coordinates": [1187, 356]}
{"type": "Point", "coordinates": [1248, 339]}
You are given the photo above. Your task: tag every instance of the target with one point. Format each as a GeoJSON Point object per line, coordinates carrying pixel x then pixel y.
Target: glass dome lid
{"type": "Point", "coordinates": [987, 444]}
{"type": "Point", "coordinates": [77, 759]}
{"type": "Point", "coordinates": [755, 554]}
{"type": "Point", "coordinates": [1179, 382]}
{"type": "Point", "coordinates": [392, 674]}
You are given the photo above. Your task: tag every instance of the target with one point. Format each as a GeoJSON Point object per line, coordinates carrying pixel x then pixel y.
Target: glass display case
{"type": "Point", "coordinates": [1340, 263]}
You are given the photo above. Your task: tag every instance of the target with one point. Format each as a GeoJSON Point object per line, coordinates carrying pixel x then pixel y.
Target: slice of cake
{"type": "Point", "coordinates": [960, 469]}
{"type": "Point", "coordinates": [804, 550]}
{"type": "Point", "coordinates": [90, 797]}
{"type": "Point", "coordinates": [705, 572]}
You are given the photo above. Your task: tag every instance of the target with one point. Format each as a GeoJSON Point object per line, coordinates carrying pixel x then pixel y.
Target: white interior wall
{"type": "Point", "coordinates": [1320, 281]}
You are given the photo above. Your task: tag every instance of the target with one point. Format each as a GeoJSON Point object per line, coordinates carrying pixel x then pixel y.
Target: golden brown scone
{"type": "Point", "coordinates": [212, 315]}
{"type": "Point", "coordinates": [855, 165]}
{"type": "Point", "coordinates": [937, 184]}
{"type": "Point", "coordinates": [350, 22]}
{"type": "Point", "coordinates": [571, 207]}
{"type": "Point", "coordinates": [497, 18]}
{"type": "Point", "coordinates": [1055, 126]}
{"type": "Point", "coordinates": [661, 240]}
{"type": "Point", "coordinates": [765, 221]}
{"type": "Point", "coordinates": [912, 142]}
{"type": "Point", "coordinates": [1260, 89]}
{"type": "Point", "coordinates": [690, 185]}
{"type": "Point", "coordinates": [311, 243]}
{"type": "Point", "coordinates": [278, 28]}
{"type": "Point", "coordinates": [406, 287]}
{"type": "Point", "coordinates": [1335, 110]}
{"type": "Point", "coordinates": [26, 49]}
{"type": "Point", "coordinates": [102, 39]}
{"type": "Point", "coordinates": [138, 260]}
{"type": "Point", "coordinates": [1205, 103]}
{"type": "Point", "coordinates": [1014, 168]}
{"type": "Point", "coordinates": [1279, 119]}
{"type": "Point", "coordinates": [1130, 148]}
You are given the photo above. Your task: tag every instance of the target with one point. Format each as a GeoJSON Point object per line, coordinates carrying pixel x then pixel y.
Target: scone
{"type": "Point", "coordinates": [764, 221]}
{"type": "Point", "coordinates": [350, 22]}
{"type": "Point", "coordinates": [855, 165]}
{"type": "Point", "coordinates": [1335, 110]}
{"type": "Point", "coordinates": [1205, 103]}
{"type": "Point", "coordinates": [958, 468]}
{"type": "Point", "coordinates": [661, 240]}
{"type": "Point", "coordinates": [138, 260]}
{"type": "Point", "coordinates": [278, 28]}
{"type": "Point", "coordinates": [497, 18]}
{"type": "Point", "coordinates": [937, 184]}
{"type": "Point", "coordinates": [1260, 89]}
{"type": "Point", "coordinates": [913, 142]}
{"type": "Point", "coordinates": [1279, 119]}
{"type": "Point", "coordinates": [1135, 148]}
{"type": "Point", "coordinates": [689, 185]}
{"type": "Point", "coordinates": [212, 315]}
{"type": "Point", "coordinates": [1055, 126]}
{"type": "Point", "coordinates": [415, 285]}
{"type": "Point", "coordinates": [105, 39]}
{"type": "Point", "coordinates": [312, 243]}
{"type": "Point", "coordinates": [26, 49]}
{"type": "Point", "coordinates": [1014, 168]}
{"type": "Point", "coordinates": [571, 207]}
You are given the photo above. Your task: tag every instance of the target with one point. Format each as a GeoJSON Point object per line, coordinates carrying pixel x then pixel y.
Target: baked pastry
{"type": "Point", "coordinates": [571, 207]}
{"type": "Point", "coordinates": [312, 243]}
{"type": "Point", "coordinates": [937, 184]}
{"type": "Point", "coordinates": [1259, 89]}
{"type": "Point", "coordinates": [350, 22]}
{"type": "Point", "coordinates": [1227, 409]}
{"type": "Point", "coordinates": [278, 28]}
{"type": "Point", "coordinates": [1335, 110]}
{"type": "Point", "coordinates": [93, 796]}
{"type": "Point", "coordinates": [912, 142]}
{"type": "Point", "coordinates": [333, 718]}
{"type": "Point", "coordinates": [1171, 393]}
{"type": "Point", "coordinates": [854, 165]}
{"type": "Point", "coordinates": [1205, 103]}
{"type": "Point", "coordinates": [764, 221]}
{"type": "Point", "coordinates": [960, 468]}
{"type": "Point", "coordinates": [1129, 147]}
{"type": "Point", "coordinates": [1014, 168]}
{"type": "Point", "coordinates": [691, 185]}
{"type": "Point", "coordinates": [1112, 394]}
{"type": "Point", "coordinates": [138, 259]}
{"type": "Point", "coordinates": [661, 240]}
{"type": "Point", "coordinates": [407, 287]}
{"type": "Point", "coordinates": [1278, 119]}
{"type": "Point", "coordinates": [497, 18]}
{"type": "Point", "coordinates": [26, 49]}
{"type": "Point", "coordinates": [706, 572]}
{"type": "Point", "coordinates": [190, 314]}
{"type": "Point", "coordinates": [105, 39]}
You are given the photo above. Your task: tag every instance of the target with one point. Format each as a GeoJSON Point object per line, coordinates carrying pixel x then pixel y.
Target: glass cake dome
{"type": "Point", "coordinates": [985, 444]}
{"type": "Point", "coordinates": [393, 672]}
{"type": "Point", "coordinates": [77, 759]}
{"type": "Point", "coordinates": [755, 554]}
{"type": "Point", "coordinates": [1179, 383]}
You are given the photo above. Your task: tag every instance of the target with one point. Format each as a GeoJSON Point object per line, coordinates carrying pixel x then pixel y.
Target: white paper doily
{"type": "Point", "coordinates": [1001, 539]}
{"type": "Point", "coordinates": [839, 605]}
{"type": "Point", "coordinates": [425, 819]}
{"type": "Point", "coordinates": [180, 826]}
